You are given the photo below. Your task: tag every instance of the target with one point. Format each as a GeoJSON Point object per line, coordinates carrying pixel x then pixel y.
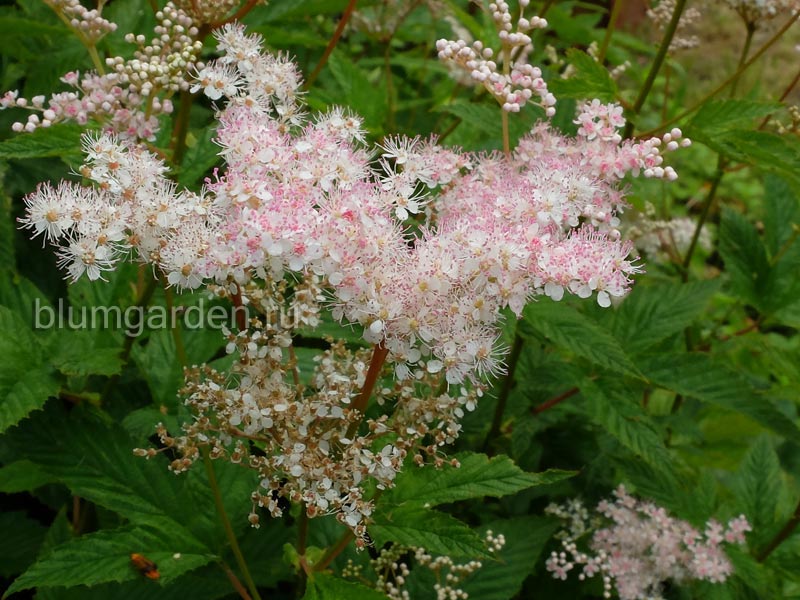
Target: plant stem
{"type": "Point", "coordinates": [226, 524]}
{"type": "Point", "coordinates": [505, 391]}
{"type": "Point", "coordinates": [96, 60]}
{"type": "Point", "coordinates": [661, 55]}
{"type": "Point", "coordinates": [178, 142]}
{"type": "Point", "coordinates": [767, 45]}
{"type": "Point", "coordinates": [302, 531]}
{"type": "Point", "coordinates": [612, 24]}
{"type": "Point", "coordinates": [334, 551]}
{"type": "Point", "coordinates": [180, 348]}
{"type": "Point", "coordinates": [781, 536]}
{"type": "Point", "coordinates": [707, 203]}
{"type": "Point", "coordinates": [748, 40]}
{"type": "Point", "coordinates": [348, 12]}
{"type": "Point", "coordinates": [503, 112]}
{"type": "Point", "coordinates": [379, 354]}
{"type": "Point", "coordinates": [237, 585]}
{"type": "Point", "coordinates": [555, 400]}
{"type": "Point", "coordinates": [786, 245]}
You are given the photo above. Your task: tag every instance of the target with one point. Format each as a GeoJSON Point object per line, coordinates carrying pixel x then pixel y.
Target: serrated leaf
{"type": "Point", "coordinates": [437, 532]}
{"type": "Point", "coordinates": [650, 314]}
{"type": "Point", "coordinates": [104, 556]}
{"type": "Point", "coordinates": [200, 158]}
{"type": "Point", "coordinates": [721, 115]}
{"type": "Point", "coordinates": [26, 381]}
{"type": "Point", "coordinates": [501, 579]}
{"type": "Point", "coordinates": [22, 476]}
{"type": "Point", "coordinates": [781, 211]}
{"type": "Point", "coordinates": [624, 419]}
{"type": "Point", "coordinates": [759, 487]}
{"type": "Point", "coordinates": [768, 151]}
{"type": "Point", "coordinates": [573, 331]}
{"type": "Point", "coordinates": [366, 98]}
{"type": "Point", "coordinates": [590, 79]}
{"type": "Point", "coordinates": [322, 586]}
{"type": "Point", "coordinates": [59, 140]}
{"type": "Point", "coordinates": [94, 458]}
{"type": "Point", "coordinates": [745, 256]}
{"type": "Point", "coordinates": [697, 375]}
{"type": "Point", "coordinates": [79, 352]}
{"type": "Point", "coordinates": [478, 476]}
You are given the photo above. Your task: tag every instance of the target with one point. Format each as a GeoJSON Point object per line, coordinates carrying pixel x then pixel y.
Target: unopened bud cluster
{"type": "Point", "coordinates": [394, 565]}
{"type": "Point", "coordinates": [756, 12]}
{"type": "Point", "coordinates": [88, 24]}
{"type": "Point", "coordinates": [164, 62]}
{"type": "Point", "coordinates": [206, 12]}
{"type": "Point", "coordinates": [513, 82]}
{"type": "Point", "coordinates": [640, 547]}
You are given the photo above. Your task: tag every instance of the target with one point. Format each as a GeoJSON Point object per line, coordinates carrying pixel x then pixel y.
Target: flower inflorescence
{"type": "Point", "coordinates": [636, 546]}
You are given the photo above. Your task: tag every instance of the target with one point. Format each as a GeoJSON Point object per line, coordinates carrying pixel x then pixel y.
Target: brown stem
{"type": "Point", "coordinates": [178, 142]}
{"type": "Point", "coordinates": [379, 354]}
{"type": "Point", "coordinates": [548, 404]}
{"type": "Point", "coordinates": [334, 551]}
{"type": "Point", "coordinates": [239, 14]}
{"type": "Point", "coordinates": [781, 536]}
{"type": "Point", "coordinates": [237, 585]}
{"type": "Point", "coordinates": [238, 309]}
{"type": "Point", "coordinates": [348, 12]}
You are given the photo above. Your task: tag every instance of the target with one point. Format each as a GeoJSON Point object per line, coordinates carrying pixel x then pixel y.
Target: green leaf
{"type": "Point", "coordinates": [781, 212]}
{"type": "Point", "coordinates": [59, 140]}
{"type": "Point", "coordinates": [22, 476]}
{"type": "Point", "coordinates": [26, 382]}
{"type": "Point", "coordinates": [745, 256]}
{"type": "Point", "coordinates": [437, 532]}
{"type": "Point", "coordinates": [718, 116]}
{"type": "Point", "coordinates": [501, 579]}
{"type": "Point", "coordinates": [697, 375]}
{"type": "Point", "coordinates": [768, 151]}
{"type": "Point", "coordinates": [322, 586]}
{"type": "Point", "coordinates": [365, 97]}
{"type": "Point", "coordinates": [590, 79]}
{"type": "Point", "coordinates": [79, 352]}
{"type": "Point", "coordinates": [650, 314]}
{"type": "Point", "coordinates": [624, 419]}
{"type": "Point", "coordinates": [573, 331]}
{"type": "Point", "coordinates": [94, 459]}
{"type": "Point", "coordinates": [19, 543]}
{"type": "Point", "coordinates": [478, 476]}
{"type": "Point", "coordinates": [105, 556]}
{"type": "Point", "coordinates": [759, 486]}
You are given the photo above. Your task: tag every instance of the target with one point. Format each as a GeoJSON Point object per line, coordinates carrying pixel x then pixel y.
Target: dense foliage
{"type": "Point", "coordinates": [329, 299]}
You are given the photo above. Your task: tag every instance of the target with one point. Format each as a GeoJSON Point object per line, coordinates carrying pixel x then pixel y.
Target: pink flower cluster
{"type": "Point", "coordinates": [642, 547]}
{"type": "Point", "coordinates": [422, 252]}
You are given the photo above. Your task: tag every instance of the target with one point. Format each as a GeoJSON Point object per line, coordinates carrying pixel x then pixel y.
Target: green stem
{"type": "Point", "coordinates": [612, 24]}
{"type": "Point", "coordinates": [505, 391]}
{"type": "Point", "coordinates": [767, 45]}
{"type": "Point", "coordinates": [707, 203]}
{"type": "Point", "coordinates": [661, 55]}
{"type": "Point", "coordinates": [348, 12]}
{"type": "Point", "coordinates": [748, 40]}
{"type": "Point", "coordinates": [180, 348]}
{"type": "Point", "coordinates": [503, 112]}
{"type": "Point", "coordinates": [178, 142]}
{"type": "Point", "coordinates": [96, 60]}
{"type": "Point", "coordinates": [226, 524]}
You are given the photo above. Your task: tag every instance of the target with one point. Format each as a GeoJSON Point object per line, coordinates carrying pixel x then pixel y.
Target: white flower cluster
{"type": "Point", "coordinates": [755, 12]}
{"type": "Point", "coordinates": [88, 24]}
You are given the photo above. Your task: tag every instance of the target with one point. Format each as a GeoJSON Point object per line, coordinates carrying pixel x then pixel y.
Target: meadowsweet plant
{"type": "Point", "coordinates": [422, 222]}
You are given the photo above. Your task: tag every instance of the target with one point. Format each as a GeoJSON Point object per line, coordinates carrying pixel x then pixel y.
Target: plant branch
{"type": "Point", "coordinates": [661, 55]}
{"type": "Point", "coordinates": [178, 142]}
{"type": "Point", "coordinates": [781, 536]}
{"type": "Point", "coordinates": [612, 24]}
{"type": "Point", "coordinates": [237, 585]}
{"type": "Point", "coordinates": [548, 404]}
{"type": "Point", "coordinates": [379, 354]}
{"type": "Point", "coordinates": [348, 12]}
{"type": "Point", "coordinates": [334, 551]}
{"type": "Point", "coordinates": [226, 524]}
{"type": "Point", "coordinates": [707, 203]}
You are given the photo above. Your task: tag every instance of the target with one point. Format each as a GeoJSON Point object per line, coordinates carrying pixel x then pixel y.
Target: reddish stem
{"type": "Point", "coordinates": [781, 536]}
{"type": "Point", "coordinates": [554, 401]}
{"type": "Point", "coordinates": [348, 12]}
{"type": "Point", "coordinates": [238, 309]}
{"type": "Point", "coordinates": [379, 354]}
